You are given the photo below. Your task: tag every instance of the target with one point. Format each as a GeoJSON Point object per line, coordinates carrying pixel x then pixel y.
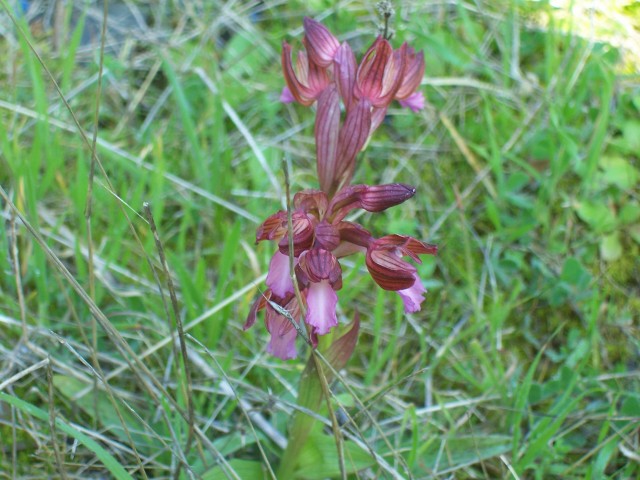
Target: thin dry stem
{"type": "Point", "coordinates": [178, 321]}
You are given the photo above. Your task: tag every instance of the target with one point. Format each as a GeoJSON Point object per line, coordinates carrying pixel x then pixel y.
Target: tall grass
{"type": "Point", "coordinates": [523, 361]}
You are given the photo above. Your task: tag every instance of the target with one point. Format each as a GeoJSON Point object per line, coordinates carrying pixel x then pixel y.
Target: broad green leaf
{"type": "Point", "coordinates": [319, 458]}
{"type": "Point", "coordinates": [244, 469]}
{"type": "Point", "coordinates": [463, 451]}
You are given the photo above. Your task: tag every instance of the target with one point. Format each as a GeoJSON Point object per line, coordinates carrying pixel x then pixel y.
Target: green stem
{"type": "Point", "coordinates": [301, 426]}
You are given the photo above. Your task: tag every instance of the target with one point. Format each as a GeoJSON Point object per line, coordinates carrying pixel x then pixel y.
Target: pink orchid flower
{"type": "Point", "coordinates": [326, 73]}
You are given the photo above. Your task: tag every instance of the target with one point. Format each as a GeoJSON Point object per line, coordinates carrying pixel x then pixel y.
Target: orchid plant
{"type": "Point", "coordinates": [313, 234]}
{"type": "Point", "coordinates": [326, 74]}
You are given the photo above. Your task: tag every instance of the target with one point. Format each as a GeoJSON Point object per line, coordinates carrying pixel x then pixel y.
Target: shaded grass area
{"type": "Point", "coordinates": [523, 361]}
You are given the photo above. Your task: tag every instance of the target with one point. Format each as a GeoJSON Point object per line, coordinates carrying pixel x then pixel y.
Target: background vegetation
{"type": "Point", "coordinates": [523, 362]}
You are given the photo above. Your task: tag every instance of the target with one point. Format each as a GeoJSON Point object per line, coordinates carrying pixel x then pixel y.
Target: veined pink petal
{"type": "Point", "coordinates": [413, 73]}
{"type": "Point", "coordinates": [326, 132]}
{"type": "Point", "coordinates": [415, 102]}
{"type": "Point", "coordinates": [393, 77]}
{"type": "Point", "coordinates": [371, 72]}
{"type": "Point", "coordinates": [345, 72]}
{"type": "Point", "coordinates": [353, 238]}
{"type": "Point", "coordinates": [258, 305]}
{"type": "Point", "coordinates": [318, 79]}
{"type": "Point", "coordinates": [282, 343]}
{"type": "Point", "coordinates": [307, 81]}
{"type": "Point", "coordinates": [286, 96]}
{"type": "Point", "coordinates": [388, 269]}
{"type": "Point", "coordinates": [303, 227]}
{"type": "Point", "coordinates": [377, 198]}
{"type": "Point", "coordinates": [298, 87]}
{"type": "Point", "coordinates": [321, 44]}
{"type": "Point", "coordinates": [317, 265]}
{"type": "Point", "coordinates": [344, 201]}
{"type": "Point", "coordinates": [311, 201]}
{"type": "Point", "coordinates": [377, 117]}
{"type": "Point", "coordinates": [278, 278]}
{"type": "Point", "coordinates": [353, 137]}
{"type": "Point", "coordinates": [273, 228]}
{"type": "Point", "coordinates": [374, 198]}
{"type": "Point", "coordinates": [327, 235]}
{"type": "Point", "coordinates": [321, 307]}
{"type": "Point", "coordinates": [380, 73]}
{"type": "Point", "coordinates": [413, 296]}
{"type": "Point", "coordinates": [385, 264]}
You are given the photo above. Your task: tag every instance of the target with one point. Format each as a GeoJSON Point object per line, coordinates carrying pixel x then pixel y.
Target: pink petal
{"type": "Point", "coordinates": [415, 102]}
{"type": "Point", "coordinates": [353, 137]}
{"type": "Point", "coordinates": [278, 278]}
{"type": "Point", "coordinates": [413, 73]}
{"type": "Point", "coordinates": [319, 264]}
{"type": "Point", "coordinates": [326, 133]}
{"type": "Point", "coordinates": [321, 307]}
{"type": "Point", "coordinates": [273, 228]}
{"type": "Point", "coordinates": [371, 72]}
{"type": "Point", "coordinates": [311, 201]}
{"type": "Point", "coordinates": [377, 117]}
{"type": "Point", "coordinates": [327, 235]}
{"type": "Point", "coordinates": [413, 296]}
{"type": "Point", "coordinates": [321, 44]}
{"type": "Point", "coordinates": [297, 88]}
{"type": "Point", "coordinates": [388, 269]}
{"type": "Point", "coordinates": [345, 72]}
{"type": "Point", "coordinates": [286, 96]}
{"type": "Point", "coordinates": [258, 305]}
{"type": "Point", "coordinates": [283, 336]}
{"type": "Point", "coordinates": [353, 238]}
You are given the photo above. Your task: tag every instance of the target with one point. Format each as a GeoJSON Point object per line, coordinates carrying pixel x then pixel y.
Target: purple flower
{"type": "Point", "coordinates": [319, 273]}
{"type": "Point", "coordinates": [282, 343]}
{"type": "Point", "coordinates": [320, 237]}
{"type": "Point", "coordinates": [391, 272]}
{"type": "Point", "coordinates": [415, 102]}
{"type": "Point", "coordinates": [326, 73]}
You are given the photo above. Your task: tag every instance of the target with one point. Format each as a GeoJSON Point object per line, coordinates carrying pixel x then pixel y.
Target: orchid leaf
{"type": "Point", "coordinates": [319, 458]}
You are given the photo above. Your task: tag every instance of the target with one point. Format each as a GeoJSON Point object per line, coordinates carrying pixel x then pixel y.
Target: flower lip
{"type": "Point", "coordinates": [278, 278]}
{"type": "Point", "coordinates": [413, 296]}
{"type": "Point", "coordinates": [282, 343]}
{"type": "Point", "coordinates": [415, 102]}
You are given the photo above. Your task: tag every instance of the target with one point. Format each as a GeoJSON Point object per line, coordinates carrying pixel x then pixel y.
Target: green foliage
{"type": "Point", "coordinates": [523, 360]}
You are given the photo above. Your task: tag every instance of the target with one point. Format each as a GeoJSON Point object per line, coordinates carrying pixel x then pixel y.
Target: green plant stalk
{"type": "Point", "coordinates": [311, 393]}
{"type": "Point", "coordinates": [309, 397]}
